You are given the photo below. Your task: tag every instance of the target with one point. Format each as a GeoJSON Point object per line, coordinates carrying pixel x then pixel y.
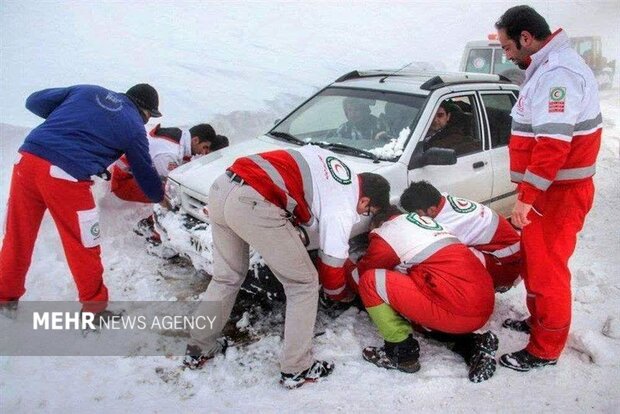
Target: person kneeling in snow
{"type": "Point", "coordinates": [488, 235]}
{"type": "Point", "coordinates": [415, 272]}
{"type": "Point", "coordinates": [169, 148]}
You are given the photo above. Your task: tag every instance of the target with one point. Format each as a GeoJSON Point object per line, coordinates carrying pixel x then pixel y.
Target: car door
{"type": "Point", "coordinates": [472, 175]}
{"type": "Point", "coordinates": [496, 107]}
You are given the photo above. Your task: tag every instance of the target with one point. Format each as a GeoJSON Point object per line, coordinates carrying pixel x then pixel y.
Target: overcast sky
{"type": "Point", "coordinates": [217, 57]}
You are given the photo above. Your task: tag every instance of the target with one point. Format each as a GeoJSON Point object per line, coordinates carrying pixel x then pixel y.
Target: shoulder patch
{"type": "Point", "coordinates": [424, 222]}
{"type": "Point", "coordinates": [460, 205]}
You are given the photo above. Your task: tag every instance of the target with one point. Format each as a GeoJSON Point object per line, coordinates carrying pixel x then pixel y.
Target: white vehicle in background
{"type": "Point", "coordinates": [404, 103]}
{"type": "Point", "coordinates": [487, 56]}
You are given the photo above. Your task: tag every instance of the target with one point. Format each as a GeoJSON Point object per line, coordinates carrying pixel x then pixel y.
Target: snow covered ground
{"type": "Point", "coordinates": [241, 65]}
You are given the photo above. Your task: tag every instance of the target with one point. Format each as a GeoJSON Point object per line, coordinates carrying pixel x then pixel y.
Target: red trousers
{"type": "Point", "coordinates": [503, 272]}
{"type": "Point", "coordinates": [406, 297]}
{"type": "Point", "coordinates": [124, 185]}
{"type": "Point", "coordinates": [37, 186]}
{"type": "Point", "coordinates": [547, 243]}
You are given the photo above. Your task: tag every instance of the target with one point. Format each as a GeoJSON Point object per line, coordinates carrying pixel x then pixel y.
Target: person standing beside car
{"type": "Point", "coordinates": [555, 139]}
{"type": "Point", "coordinates": [258, 202]}
{"type": "Point", "coordinates": [86, 128]}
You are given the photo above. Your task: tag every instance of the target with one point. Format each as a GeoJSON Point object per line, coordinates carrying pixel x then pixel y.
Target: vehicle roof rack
{"type": "Point", "coordinates": [356, 74]}
{"type": "Point", "coordinates": [440, 79]}
{"type": "Point", "coordinates": [443, 80]}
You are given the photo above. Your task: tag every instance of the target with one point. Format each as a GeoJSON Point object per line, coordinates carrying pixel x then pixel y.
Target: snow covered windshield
{"type": "Point", "coordinates": [367, 123]}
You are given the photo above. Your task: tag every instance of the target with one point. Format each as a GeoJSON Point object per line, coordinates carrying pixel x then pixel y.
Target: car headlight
{"type": "Point", "coordinates": [173, 194]}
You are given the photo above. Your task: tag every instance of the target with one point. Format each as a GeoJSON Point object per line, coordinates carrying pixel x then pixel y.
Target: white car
{"type": "Point", "coordinates": [394, 111]}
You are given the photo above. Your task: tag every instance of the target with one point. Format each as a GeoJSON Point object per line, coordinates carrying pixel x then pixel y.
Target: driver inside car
{"type": "Point", "coordinates": [361, 124]}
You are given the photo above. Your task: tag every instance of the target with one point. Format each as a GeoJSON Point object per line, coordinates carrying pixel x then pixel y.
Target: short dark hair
{"type": "Point", "coordinates": [446, 105]}
{"type": "Point", "coordinates": [419, 196]}
{"type": "Point", "coordinates": [375, 187]}
{"type": "Point", "coordinates": [523, 18]}
{"type": "Point", "coordinates": [219, 142]}
{"type": "Point", "coordinates": [204, 132]}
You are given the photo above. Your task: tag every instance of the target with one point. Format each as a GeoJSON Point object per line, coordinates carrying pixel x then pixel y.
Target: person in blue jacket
{"type": "Point", "coordinates": [86, 128]}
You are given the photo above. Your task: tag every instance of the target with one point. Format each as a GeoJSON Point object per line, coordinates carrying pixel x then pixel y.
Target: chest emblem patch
{"type": "Point", "coordinates": [338, 170]}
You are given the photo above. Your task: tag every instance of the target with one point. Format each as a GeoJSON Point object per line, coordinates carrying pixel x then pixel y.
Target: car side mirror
{"type": "Point", "coordinates": [433, 156]}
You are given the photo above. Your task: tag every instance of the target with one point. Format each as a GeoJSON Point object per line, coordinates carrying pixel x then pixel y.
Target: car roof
{"type": "Point", "coordinates": [414, 81]}
{"type": "Point", "coordinates": [482, 43]}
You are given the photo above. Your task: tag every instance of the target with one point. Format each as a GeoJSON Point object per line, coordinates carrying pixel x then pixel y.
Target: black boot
{"type": "Point", "coordinates": [517, 325]}
{"type": "Point", "coordinates": [524, 361]}
{"type": "Point", "coordinates": [195, 358]}
{"type": "Point", "coordinates": [478, 351]}
{"type": "Point", "coordinates": [317, 371]}
{"type": "Point", "coordinates": [482, 363]}
{"type": "Point", "coordinates": [402, 356]}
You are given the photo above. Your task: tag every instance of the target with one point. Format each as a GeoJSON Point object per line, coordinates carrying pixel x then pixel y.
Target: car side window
{"type": "Point", "coordinates": [498, 107]}
{"type": "Point", "coordinates": [455, 126]}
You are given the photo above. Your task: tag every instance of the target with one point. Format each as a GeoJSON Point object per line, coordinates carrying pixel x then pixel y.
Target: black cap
{"type": "Point", "coordinates": [145, 96]}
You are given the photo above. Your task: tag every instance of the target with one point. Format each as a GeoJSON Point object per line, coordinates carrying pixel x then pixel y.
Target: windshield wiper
{"type": "Point", "coordinates": [287, 137]}
{"type": "Point", "coordinates": [349, 149]}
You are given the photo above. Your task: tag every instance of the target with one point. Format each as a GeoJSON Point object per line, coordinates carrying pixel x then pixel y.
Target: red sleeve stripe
{"type": "Point", "coordinates": [536, 180]}
{"type": "Point", "coordinates": [277, 179]}
{"type": "Point", "coordinates": [575, 173]}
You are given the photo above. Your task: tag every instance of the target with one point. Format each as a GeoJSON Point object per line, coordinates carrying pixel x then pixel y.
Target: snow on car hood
{"type": "Point", "coordinates": [198, 174]}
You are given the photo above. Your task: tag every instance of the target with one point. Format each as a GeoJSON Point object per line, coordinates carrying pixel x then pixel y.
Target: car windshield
{"type": "Point", "coordinates": [366, 123]}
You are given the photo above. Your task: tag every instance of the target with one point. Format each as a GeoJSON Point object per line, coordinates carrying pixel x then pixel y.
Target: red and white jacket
{"type": "Point", "coordinates": [556, 122]}
{"type": "Point", "coordinates": [319, 191]}
{"type": "Point", "coordinates": [168, 148]}
{"type": "Point", "coordinates": [444, 268]}
{"type": "Point", "coordinates": [479, 227]}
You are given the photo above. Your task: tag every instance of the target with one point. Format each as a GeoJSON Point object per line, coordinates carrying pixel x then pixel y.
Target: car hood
{"type": "Point", "coordinates": [198, 174]}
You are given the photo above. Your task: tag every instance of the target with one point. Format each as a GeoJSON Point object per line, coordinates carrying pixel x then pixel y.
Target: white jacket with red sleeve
{"type": "Point", "coordinates": [479, 227]}
{"type": "Point", "coordinates": [556, 122]}
{"type": "Point", "coordinates": [319, 191]}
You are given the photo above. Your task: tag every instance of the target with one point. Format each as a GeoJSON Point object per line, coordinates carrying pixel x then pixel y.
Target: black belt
{"type": "Point", "coordinates": [234, 177]}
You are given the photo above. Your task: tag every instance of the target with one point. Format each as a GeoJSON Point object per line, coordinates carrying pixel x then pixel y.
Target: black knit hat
{"type": "Point", "coordinates": [145, 96]}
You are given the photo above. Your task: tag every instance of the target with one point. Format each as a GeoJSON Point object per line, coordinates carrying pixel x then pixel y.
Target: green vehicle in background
{"type": "Point", "coordinates": [487, 56]}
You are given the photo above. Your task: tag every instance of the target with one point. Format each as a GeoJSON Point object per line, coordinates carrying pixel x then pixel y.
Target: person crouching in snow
{"type": "Point", "coordinates": [259, 201]}
{"type": "Point", "coordinates": [489, 236]}
{"type": "Point", "coordinates": [169, 148]}
{"type": "Point", "coordinates": [415, 272]}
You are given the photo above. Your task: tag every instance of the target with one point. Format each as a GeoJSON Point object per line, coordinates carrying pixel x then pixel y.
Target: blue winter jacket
{"type": "Point", "coordinates": [86, 129]}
